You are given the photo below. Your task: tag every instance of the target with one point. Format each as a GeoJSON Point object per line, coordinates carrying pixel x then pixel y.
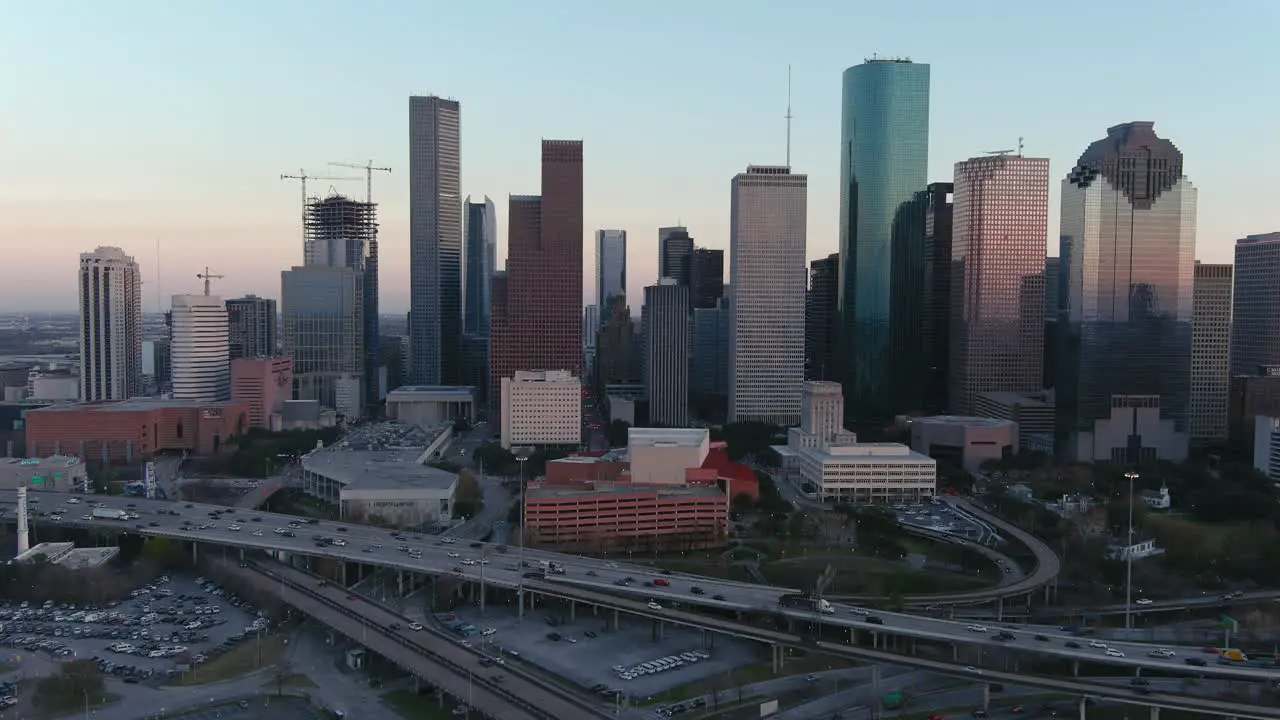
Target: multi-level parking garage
{"type": "Point", "coordinates": [721, 606]}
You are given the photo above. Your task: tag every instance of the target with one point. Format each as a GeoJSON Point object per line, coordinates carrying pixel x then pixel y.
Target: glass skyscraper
{"type": "Point", "coordinates": [884, 154]}
{"type": "Point", "coordinates": [1125, 305]}
{"type": "Point", "coordinates": [480, 234]}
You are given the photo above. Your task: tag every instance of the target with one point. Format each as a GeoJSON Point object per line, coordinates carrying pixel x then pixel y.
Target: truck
{"type": "Point", "coordinates": [893, 700]}
{"type": "Point", "coordinates": [800, 601]}
{"type": "Point", "coordinates": [551, 568]}
{"type": "Point", "coordinates": [1232, 655]}
{"type": "Point", "coordinates": [102, 513]}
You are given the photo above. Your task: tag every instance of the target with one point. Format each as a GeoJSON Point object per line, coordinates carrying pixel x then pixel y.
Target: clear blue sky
{"type": "Point", "coordinates": [132, 121]}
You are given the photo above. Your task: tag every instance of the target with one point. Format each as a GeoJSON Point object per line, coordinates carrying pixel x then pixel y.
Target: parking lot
{"type": "Point", "coordinates": [140, 639]}
{"type": "Point", "coordinates": [587, 653]}
{"type": "Point", "coordinates": [941, 518]}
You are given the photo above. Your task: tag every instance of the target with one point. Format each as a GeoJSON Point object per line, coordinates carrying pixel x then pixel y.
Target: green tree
{"type": "Point", "coordinates": [469, 497]}
{"type": "Point", "coordinates": [74, 683]}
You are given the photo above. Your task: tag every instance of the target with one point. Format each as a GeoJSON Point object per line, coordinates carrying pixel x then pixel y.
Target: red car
{"type": "Point", "coordinates": [457, 568]}
{"type": "Point", "coordinates": [661, 583]}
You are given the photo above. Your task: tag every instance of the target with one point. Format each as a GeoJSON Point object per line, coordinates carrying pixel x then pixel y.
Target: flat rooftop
{"type": "Point", "coordinates": [137, 405]}
{"type": "Point", "coordinates": [866, 453]}
{"type": "Point", "coordinates": [52, 551]}
{"type": "Point", "coordinates": [84, 558]}
{"type": "Point", "coordinates": [1030, 400]}
{"type": "Point", "coordinates": [664, 492]}
{"type": "Point", "coordinates": [456, 393]}
{"type": "Point", "coordinates": [679, 437]}
{"type": "Point", "coordinates": [962, 420]}
{"type": "Point", "coordinates": [378, 470]}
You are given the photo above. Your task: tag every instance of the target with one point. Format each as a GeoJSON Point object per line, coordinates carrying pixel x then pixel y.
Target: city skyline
{"type": "Point", "coordinates": [171, 157]}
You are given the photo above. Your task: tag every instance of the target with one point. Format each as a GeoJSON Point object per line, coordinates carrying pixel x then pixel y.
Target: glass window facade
{"type": "Point", "coordinates": [1127, 267]}
{"type": "Point", "coordinates": [884, 148]}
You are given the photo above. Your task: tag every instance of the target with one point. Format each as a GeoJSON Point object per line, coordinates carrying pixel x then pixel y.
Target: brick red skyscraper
{"type": "Point", "coordinates": [537, 303]}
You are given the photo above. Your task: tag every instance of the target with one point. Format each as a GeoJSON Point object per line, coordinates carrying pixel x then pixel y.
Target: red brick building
{"type": "Point", "coordinates": [264, 384]}
{"type": "Point", "coordinates": [602, 517]}
{"type": "Point", "coordinates": [121, 431]}
{"type": "Point", "coordinates": [536, 321]}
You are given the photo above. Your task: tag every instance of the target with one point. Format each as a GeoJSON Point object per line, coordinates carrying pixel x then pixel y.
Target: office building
{"type": "Point", "coordinates": [264, 385]}
{"type": "Point", "coordinates": [706, 277]}
{"type": "Point", "coordinates": [537, 302]}
{"type": "Point", "coordinates": [127, 431]}
{"type": "Point", "coordinates": [611, 265]}
{"type": "Point", "coordinates": [322, 322]}
{"type": "Point", "coordinates": [199, 353]}
{"type": "Point", "coordinates": [1266, 447]}
{"type": "Point", "coordinates": [435, 240]}
{"type": "Point", "coordinates": [1210, 347]}
{"type": "Point", "coordinates": [884, 154]}
{"type": "Point", "coordinates": [935, 317]}
{"type": "Point", "coordinates": [480, 228]}
{"type": "Point", "coordinates": [251, 327]}
{"type": "Point", "coordinates": [1001, 220]}
{"type": "Point", "coordinates": [110, 325]}
{"type": "Point", "coordinates": [965, 442]}
{"type": "Point", "coordinates": [428, 407]}
{"type": "Point", "coordinates": [709, 374]}
{"type": "Point", "coordinates": [1052, 280]}
{"type": "Point", "coordinates": [767, 227]}
{"type": "Point", "coordinates": [617, 348]}
{"type": "Point", "coordinates": [541, 408]}
{"type": "Point", "coordinates": [590, 334]}
{"type": "Point", "coordinates": [1033, 413]}
{"type": "Point", "coordinates": [675, 253]}
{"type": "Point", "coordinates": [1255, 324]}
{"type": "Point", "coordinates": [158, 354]}
{"type": "Point", "coordinates": [821, 308]}
{"type": "Point", "coordinates": [1127, 258]}
{"type": "Point", "coordinates": [666, 349]}
{"type": "Point", "coordinates": [1252, 395]}
{"type": "Point", "coordinates": [877, 473]}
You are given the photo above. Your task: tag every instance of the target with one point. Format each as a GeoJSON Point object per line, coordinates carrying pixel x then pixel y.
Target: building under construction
{"type": "Point", "coordinates": [343, 233]}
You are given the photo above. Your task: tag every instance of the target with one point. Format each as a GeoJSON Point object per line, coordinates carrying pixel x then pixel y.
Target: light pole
{"type": "Point", "coordinates": [521, 453]}
{"type": "Point", "coordinates": [1128, 553]}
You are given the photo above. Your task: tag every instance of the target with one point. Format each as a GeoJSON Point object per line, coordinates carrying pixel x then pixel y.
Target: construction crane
{"type": "Point", "coordinates": [303, 177]}
{"type": "Point", "coordinates": [206, 276]}
{"type": "Point", "coordinates": [1007, 152]}
{"type": "Point", "coordinates": [368, 169]}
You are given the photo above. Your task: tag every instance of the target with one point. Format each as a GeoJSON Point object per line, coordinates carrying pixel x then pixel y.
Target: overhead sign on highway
{"type": "Point", "coordinates": [1229, 622]}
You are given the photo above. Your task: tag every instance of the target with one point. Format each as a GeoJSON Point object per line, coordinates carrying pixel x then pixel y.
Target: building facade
{"type": "Point", "coordinates": [1210, 349]}
{"type": "Point", "coordinates": [110, 325]}
{"type": "Point", "coordinates": [871, 473]}
{"type": "Point", "coordinates": [965, 442]}
{"type": "Point", "coordinates": [767, 231]}
{"type": "Point", "coordinates": [706, 277]}
{"type": "Point", "coordinates": [611, 265]}
{"type": "Point", "coordinates": [537, 303]}
{"type": "Point", "coordinates": [1001, 220]}
{"type": "Point", "coordinates": [322, 319]}
{"type": "Point", "coordinates": [666, 348]}
{"type": "Point", "coordinates": [821, 309]}
{"type": "Point", "coordinates": [127, 431]}
{"type": "Point", "coordinates": [1127, 260]}
{"type": "Point", "coordinates": [251, 327]}
{"type": "Point", "coordinates": [200, 354]}
{"type": "Point", "coordinates": [606, 516]}
{"type": "Point", "coordinates": [617, 348]}
{"type": "Point", "coordinates": [884, 154]}
{"type": "Point", "coordinates": [480, 228]}
{"type": "Point", "coordinates": [1255, 324]}
{"type": "Point", "coordinates": [541, 408]}
{"type": "Point", "coordinates": [264, 385]}
{"type": "Point", "coordinates": [435, 239]}
{"type": "Point", "coordinates": [709, 377]}
{"type": "Point", "coordinates": [935, 317]}
{"type": "Point", "coordinates": [675, 253]}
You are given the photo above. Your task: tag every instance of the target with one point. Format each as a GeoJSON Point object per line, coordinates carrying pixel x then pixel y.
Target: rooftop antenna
{"type": "Point", "coordinates": [788, 117]}
{"type": "Point", "coordinates": [1019, 146]}
{"type": "Point", "coordinates": [159, 304]}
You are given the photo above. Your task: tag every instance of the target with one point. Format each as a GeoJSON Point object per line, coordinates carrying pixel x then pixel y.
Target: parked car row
{"type": "Point", "coordinates": [663, 664]}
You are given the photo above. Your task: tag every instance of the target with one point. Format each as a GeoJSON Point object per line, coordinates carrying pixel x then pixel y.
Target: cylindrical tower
{"type": "Point", "coordinates": [199, 353]}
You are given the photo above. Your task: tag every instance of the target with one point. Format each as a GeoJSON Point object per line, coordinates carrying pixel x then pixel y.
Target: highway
{"type": "Point", "coordinates": [423, 652]}
{"type": "Point", "coordinates": [1155, 606]}
{"type": "Point", "coordinates": [600, 580]}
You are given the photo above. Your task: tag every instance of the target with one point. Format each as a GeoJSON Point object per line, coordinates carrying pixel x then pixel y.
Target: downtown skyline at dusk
{"type": "Point", "coordinates": [143, 125]}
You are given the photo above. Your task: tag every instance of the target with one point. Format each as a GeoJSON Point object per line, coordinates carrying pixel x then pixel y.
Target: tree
{"type": "Point", "coordinates": [76, 683]}
{"type": "Point", "coordinates": [496, 459]}
{"type": "Point", "coordinates": [741, 502]}
{"type": "Point", "coordinates": [469, 498]}
{"type": "Point", "coordinates": [616, 433]}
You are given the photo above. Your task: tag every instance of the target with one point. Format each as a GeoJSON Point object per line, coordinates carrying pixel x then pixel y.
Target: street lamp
{"type": "Point", "coordinates": [521, 453]}
{"type": "Point", "coordinates": [1128, 553]}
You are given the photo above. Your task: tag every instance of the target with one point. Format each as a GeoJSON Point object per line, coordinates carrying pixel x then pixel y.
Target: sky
{"type": "Point", "coordinates": [163, 126]}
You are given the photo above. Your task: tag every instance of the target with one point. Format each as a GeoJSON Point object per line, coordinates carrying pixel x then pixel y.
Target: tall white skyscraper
{"type": "Point", "coordinates": [611, 265]}
{"type": "Point", "coordinates": [768, 274]}
{"type": "Point", "coordinates": [435, 241]}
{"type": "Point", "coordinates": [201, 351]}
{"type": "Point", "coordinates": [110, 325]}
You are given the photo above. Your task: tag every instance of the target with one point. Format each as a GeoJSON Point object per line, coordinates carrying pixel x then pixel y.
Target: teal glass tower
{"type": "Point", "coordinates": [884, 156]}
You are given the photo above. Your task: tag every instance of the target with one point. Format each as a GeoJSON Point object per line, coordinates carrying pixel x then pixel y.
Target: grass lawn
{"type": "Point", "coordinates": [240, 660]}
{"type": "Point", "coordinates": [1213, 535]}
{"type": "Point", "coordinates": [748, 675]}
{"type": "Point", "coordinates": [296, 680]}
{"type": "Point", "coordinates": [73, 708]}
{"type": "Point", "coordinates": [416, 707]}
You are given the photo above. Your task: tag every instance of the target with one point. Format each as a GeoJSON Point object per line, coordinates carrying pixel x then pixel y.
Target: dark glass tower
{"type": "Point", "coordinates": [1127, 264]}
{"type": "Point", "coordinates": [706, 277]}
{"type": "Point", "coordinates": [935, 326]}
{"type": "Point", "coordinates": [884, 153]}
{"type": "Point", "coordinates": [820, 311]}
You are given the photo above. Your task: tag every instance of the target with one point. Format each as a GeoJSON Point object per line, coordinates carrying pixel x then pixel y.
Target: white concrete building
{"type": "Point", "coordinates": [541, 408]}
{"type": "Point", "coordinates": [660, 456]}
{"type": "Point", "coordinates": [1266, 446]}
{"type": "Point", "coordinates": [1131, 416]}
{"type": "Point", "coordinates": [110, 325]}
{"type": "Point", "coordinates": [868, 473]}
{"type": "Point", "coordinates": [430, 405]}
{"type": "Point", "coordinates": [200, 352]}
{"type": "Point", "coordinates": [965, 441]}
{"type": "Point", "coordinates": [768, 277]}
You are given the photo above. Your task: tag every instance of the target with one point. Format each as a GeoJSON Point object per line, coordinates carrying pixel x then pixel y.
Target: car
{"type": "Point", "coordinates": [452, 554]}
{"type": "Point", "coordinates": [1072, 644]}
{"type": "Point", "coordinates": [1042, 638]}
{"type": "Point", "coordinates": [1112, 652]}
{"type": "Point", "coordinates": [1143, 601]}
{"type": "Point", "coordinates": [1097, 644]}
{"type": "Point", "coordinates": [873, 620]}
{"type": "Point", "coordinates": [233, 528]}
{"type": "Point", "coordinates": [1139, 681]}
{"type": "Point", "coordinates": [1197, 662]}
{"type": "Point", "coordinates": [811, 678]}
{"type": "Point", "coordinates": [1161, 653]}
{"type": "Point", "coordinates": [415, 626]}
{"type": "Point", "coordinates": [661, 582]}
{"type": "Point", "coordinates": [972, 669]}
{"type": "Point", "coordinates": [489, 631]}
{"type": "Point", "coordinates": [591, 573]}
{"type": "Point", "coordinates": [697, 590]}
{"type": "Point", "coordinates": [859, 611]}
{"type": "Point", "coordinates": [719, 597]}
{"type": "Point", "coordinates": [978, 628]}
{"type": "Point", "coordinates": [654, 605]}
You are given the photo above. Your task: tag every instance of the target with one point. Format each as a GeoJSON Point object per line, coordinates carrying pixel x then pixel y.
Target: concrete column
{"type": "Point", "coordinates": [1046, 594]}
{"type": "Point", "coordinates": [1137, 671]}
{"type": "Point", "coordinates": [573, 610]}
{"type": "Point", "coordinates": [399, 584]}
{"type": "Point", "coordinates": [242, 553]}
{"type": "Point", "coordinates": [195, 558]}
{"type": "Point", "coordinates": [986, 696]}
{"type": "Point", "coordinates": [999, 608]}
{"type": "Point", "coordinates": [1075, 668]}
{"type": "Point", "coordinates": [777, 659]}
{"type": "Point", "coordinates": [613, 621]}
{"type": "Point", "coordinates": [955, 653]}
{"type": "Point", "coordinates": [1155, 712]}
{"type": "Point", "coordinates": [1082, 707]}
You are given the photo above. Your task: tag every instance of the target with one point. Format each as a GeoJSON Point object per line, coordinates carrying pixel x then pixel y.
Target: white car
{"type": "Point", "coordinates": [978, 628]}
{"type": "Point", "coordinates": [1112, 652]}
{"type": "Point", "coordinates": [1161, 653]}
{"type": "Point", "coordinates": [454, 555]}
{"type": "Point", "coordinates": [233, 528]}
{"type": "Point", "coordinates": [859, 611]}
{"type": "Point", "coordinates": [972, 669]}
{"type": "Point", "coordinates": [415, 626]}
{"type": "Point", "coordinates": [257, 533]}
{"type": "Point", "coordinates": [1097, 644]}
{"type": "Point", "coordinates": [654, 606]}
{"type": "Point", "coordinates": [489, 631]}
{"type": "Point", "coordinates": [1143, 601]}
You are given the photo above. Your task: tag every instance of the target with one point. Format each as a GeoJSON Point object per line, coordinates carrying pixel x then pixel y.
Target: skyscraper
{"type": "Point", "coordinates": [611, 265]}
{"type": "Point", "coordinates": [884, 153]}
{"type": "Point", "coordinates": [616, 345]}
{"type": "Point", "coordinates": [767, 227]}
{"type": "Point", "coordinates": [1210, 349]}
{"type": "Point", "coordinates": [537, 303]}
{"type": "Point", "coordinates": [666, 349]}
{"type": "Point", "coordinates": [709, 376]}
{"type": "Point", "coordinates": [935, 317]}
{"type": "Point", "coordinates": [1001, 220]}
{"type": "Point", "coordinates": [1052, 281]}
{"type": "Point", "coordinates": [322, 323]}
{"type": "Point", "coordinates": [821, 310]}
{"type": "Point", "coordinates": [435, 240]}
{"type": "Point", "coordinates": [1255, 325]}
{"type": "Point", "coordinates": [675, 252]}
{"type": "Point", "coordinates": [1127, 260]}
{"type": "Point", "coordinates": [706, 277]}
{"type": "Point", "coordinates": [251, 327]}
{"type": "Point", "coordinates": [480, 228]}
{"type": "Point", "coordinates": [199, 354]}
{"type": "Point", "coordinates": [110, 325]}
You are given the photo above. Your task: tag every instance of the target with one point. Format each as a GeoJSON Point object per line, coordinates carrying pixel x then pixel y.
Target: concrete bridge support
{"type": "Point", "coordinates": [1075, 668]}
{"type": "Point", "coordinates": [986, 696]}
{"type": "Point", "coordinates": [708, 640]}
{"type": "Point", "coordinates": [1083, 704]}
{"type": "Point", "coordinates": [195, 555]}
{"type": "Point", "coordinates": [779, 652]}
{"type": "Point", "coordinates": [613, 621]}
{"type": "Point", "coordinates": [1155, 712]}
{"type": "Point", "coordinates": [573, 610]}
{"type": "Point", "coordinates": [658, 631]}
